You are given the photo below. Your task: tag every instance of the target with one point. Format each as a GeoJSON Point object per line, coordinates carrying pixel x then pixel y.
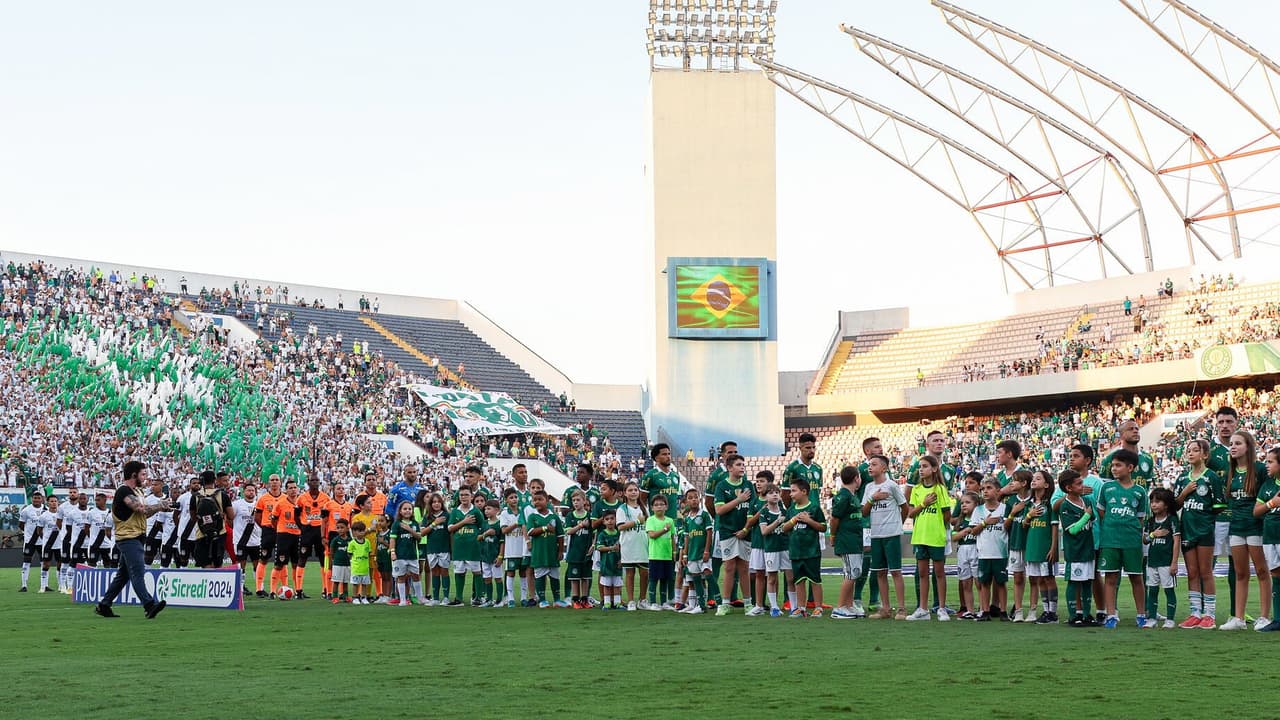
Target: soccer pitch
{"type": "Point", "coordinates": [311, 659]}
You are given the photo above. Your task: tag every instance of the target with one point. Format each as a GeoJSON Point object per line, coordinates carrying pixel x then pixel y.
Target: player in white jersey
{"type": "Point", "coordinates": [155, 528]}
{"type": "Point", "coordinates": [50, 542]}
{"type": "Point", "coordinates": [101, 544]}
{"type": "Point", "coordinates": [168, 538]}
{"type": "Point", "coordinates": [29, 523]}
{"type": "Point", "coordinates": [75, 533]}
{"type": "Point", "coordinates": [186, 540]}
{"type": "Point", "coordinates": [245, 533]}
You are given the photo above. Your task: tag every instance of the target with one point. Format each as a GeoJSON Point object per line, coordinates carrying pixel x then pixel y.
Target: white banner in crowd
{"type": "Point", "coordinates": [485, 413]}
{"type": "Point", "coordinates": [208, 588]}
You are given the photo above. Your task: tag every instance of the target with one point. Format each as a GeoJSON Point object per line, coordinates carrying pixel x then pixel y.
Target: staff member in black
{"type": "Point", "coordinates": [129, 513]}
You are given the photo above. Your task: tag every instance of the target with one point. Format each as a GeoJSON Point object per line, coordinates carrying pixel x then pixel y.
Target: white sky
{"type": "Point", "coordinates": [493, 151]}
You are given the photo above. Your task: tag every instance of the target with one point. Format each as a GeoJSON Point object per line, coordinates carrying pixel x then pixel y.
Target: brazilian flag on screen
{"type": "Point", "coordinates": [717, 296]}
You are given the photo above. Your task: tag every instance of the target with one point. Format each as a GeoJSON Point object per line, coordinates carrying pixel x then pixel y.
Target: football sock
{"type": "Point", "coordinates": [26, 572]}
{"type": "Point", "coordinates": [1196, 601]}
{"type": "Point", "coordinates": [1171, 602]}
{"type": "Point", "coordinates": [771, 599]}
{"type": "Point", "coordinates": [1275, 599]}
{"type": "Point", "coordinates": [299, 574]}
{"type": "Point", "coordinates": [714, 585]}
{"type": "Point", "coordinates": [555, 587]}
{"type": "Point", "coordinates": [791, 598]}
{"type": "Point", "coordinates": [44, 579]}
{"type": "Point", "coordinates": [260, 573]}
{"type": "Point", "coordinates": [417, 591]}
{"type": "Point", "coordinates": [540, 587]}
{"type": "Point", "coordinates": [1211, 605]}
{"type": "Point", "coordinates": [459, 579]}
{"type": "Point", "coordinates": [402, 591]}
{"type": "Point", "coordinates": [435, 587]}
{"type": "Point", "coordinates": [511, 586]}
{"type": "Point", "coordinates": [444, 586]}
{"type": "Point", "coordinates": [1153, 600]}
{"type": "Point", "coordinates": [668, 590]}
{"type": "Point", "coordinates": [1231, 582]}
{"type": "Point", "coordinates": [699, 591]}
{"type": "Point", "coordinates": [653, 590]}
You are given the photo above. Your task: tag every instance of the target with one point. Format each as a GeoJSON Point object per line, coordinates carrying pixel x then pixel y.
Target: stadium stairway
{"type": "Point", "coordinates": [411, 342]}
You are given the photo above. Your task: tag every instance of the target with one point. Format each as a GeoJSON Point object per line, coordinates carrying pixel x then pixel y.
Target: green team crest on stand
{"type": "Point", "coordinates": [1215, 362]}
{"type": "Point", "coordinates": [484, 413]}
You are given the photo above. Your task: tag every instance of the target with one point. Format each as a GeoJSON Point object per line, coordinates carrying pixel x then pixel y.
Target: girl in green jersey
{"type": "Point", "coordinates": [1198, 493]}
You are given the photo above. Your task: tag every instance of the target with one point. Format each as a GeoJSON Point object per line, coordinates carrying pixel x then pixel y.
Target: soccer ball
{"type": "Point", "coordinates": [285, 593]}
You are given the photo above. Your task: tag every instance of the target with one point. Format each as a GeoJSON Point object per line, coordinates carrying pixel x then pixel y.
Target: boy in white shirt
{"type": "Point", "coordinates": [885, 504]}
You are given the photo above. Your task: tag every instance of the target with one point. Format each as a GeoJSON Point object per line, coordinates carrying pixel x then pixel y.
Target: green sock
{"type": "Point", "coordinates": [1073, 598]}
{"type": "Point", "coordinates": [699, 591]}
{"type": "Point", "coordinates": [1171, 602]}
{"type": "Point", "coordinates": [540, 588]}
{"type": "Point", "coordinates": [1275, 599]}
{"type": "Point", "coordinates": [1086, 592]}
{"type": "Point", "coordinates": [459, 579]}
{"type": "Point", "coordinates": [714, 585]}
{"type": "Point", "coordinates": [475, 587]}
{"type": "Point", "coordinates": [444, 586]}
{"type": "Point", "coordinates": [1153, 600]}
{"type": "Point", "coordinates": [435, 587]}
{"type": "Point", "coordinates": [555, 587]}
{"type": "Point", "coordinates": [653, 590]}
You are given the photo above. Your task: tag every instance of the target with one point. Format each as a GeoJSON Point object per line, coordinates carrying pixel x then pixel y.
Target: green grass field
{"type": "Point", "coordinates": [310, 659]}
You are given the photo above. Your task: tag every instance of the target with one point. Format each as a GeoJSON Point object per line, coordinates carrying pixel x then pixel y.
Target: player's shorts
{"type": "Point", "coordinates": [361, 580]}
{"type": "Point", "coordinates": [287, 549]}
{"type": "Point", "coordinates": [929, 552]}
{"type": "Point", "coordinates": [697, 567]}
{"type": "Point", "coordinates": [310, 542]}
{"type": "Point", "coordinates": [1221, 538]}
{"type": "Point", "coordinates": [1272, 554]}
{"type": "Point", "coordinates": [516, 564]}
{"type": "Point", "coordinates": [438, 560]}
{"type": "Point", "coordinates": [886, 553]}
{"type": "Point", "coordinates": [1017, 561]}
{"type": "Point", "coordinates": [551, 572]}
{"type": "Point", "coordinates": [806, 570]}
{"type": "Point", "coordinates": [993, 570]}
{"type": "Point", "coordinates": [1193, 539]}
{"type": "Point", "coordinates": [966, 562]}
{"type": "Point", "coordinates": [340, 573]}
{"type": "Point", "coordinates": [208, 551]}
{"type": "Point", "coordinates": [1161, 577]}
{"type": "Point", "coordinates": [186, 548]}
{"type": "Point", "coordinates": [252, 554]}
{"type": "Point", "coordinates": [851, 566]}
{"type": "Point", "coordinates": [578, 571]}
{"type": "Point", "coordinates": [1250, 540]}
{"type": "Point", "coordinates": [775, 561]}
{"type": "Point", "coordinates": [152, 546]}
{"type": "Point", "coordinates": [661, 570]}
{"type": "Point", "coordinates": [401, 568]}
{"type": "Point", "coordinates": [52, 555]}
{"type": "Point", "coordinates": [1127, 560]}
{"type": "Point", "coordinates": [491, 570]}
{"type": "Point", "coordinates": [756, 563]}
{"type": "Point", "coordinates": [611, 580]}
{"type": "Point", "coordinates": [466, 566]}
{"type": "Point", "coordinates": [1078, 571]}
{"type": "Point", "coordinates": [636, 566]}
{"type": "Point", "coordinates": [29, 551]}
{"type": "Point", "coordinates": [732, 548]}
{"type": "Point", "coordinates": [1039, 569]}
{"type": "Point", "coordinates": [268, 540]}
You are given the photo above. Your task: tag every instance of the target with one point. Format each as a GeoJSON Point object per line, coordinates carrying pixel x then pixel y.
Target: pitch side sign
{"type": "Point", "coordinates": [219, 589]}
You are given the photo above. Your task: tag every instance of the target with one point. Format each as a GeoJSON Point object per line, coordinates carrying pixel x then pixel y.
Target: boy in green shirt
{"type": "Point", "coordinates": [769, 519]}
{"type": "Point", "coordinates": [465, 523]}
{"type": "Point", "coordinates": [491, 542]}
{"type": "Point", "coordinates": [696, 554]}
{"type": "Point", "coordinates": [661, 531]}
{"type": "Point", "coordinates": [546, 545]}
{"type": "Point", "coordinates": [609, 545]}
{"type": "Point", "coordinates": [360, 548]}
{"type": "Point", "coordinates": [1122, 508]}
{"type": "Point", "coordinates": [805, 525]}
{"type": "Point", "coordinates": [578, 553]}
{"type": "Point", "coordinates": [340, 561]}
{"type": "Point", "coordinates": [846, 532]}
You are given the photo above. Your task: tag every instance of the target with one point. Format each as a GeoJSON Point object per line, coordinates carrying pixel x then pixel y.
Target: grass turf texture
{"type": "Point", "coordinates": [311, 659]}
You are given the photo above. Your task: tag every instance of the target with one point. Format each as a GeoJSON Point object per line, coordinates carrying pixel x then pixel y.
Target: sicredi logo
{"type": "Point", "coordinates": [194, 589]}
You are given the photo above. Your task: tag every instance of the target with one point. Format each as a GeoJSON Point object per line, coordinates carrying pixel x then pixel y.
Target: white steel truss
{"type": "Point", "coordinates": [1187, 171]}
{"type": "Point", "coordinates": [1097, 197]}
{"type": "Point", "coordinates": [984, 189]}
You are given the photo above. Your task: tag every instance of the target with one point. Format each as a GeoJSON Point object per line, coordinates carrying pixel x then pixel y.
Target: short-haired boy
{"type": "Point", "coordinates": [491, 540]}
{"type": "Point", "coordinates": [361, 550]}
{"type": "Point", "coordinates": [846, 531]}
{"type": "Point", "coordinates": [696, 553]}
{"type": "Point", "coordinates": [546, 546]}
{"type": "Point", "coordinates": [340, 561]}
{"type": "Point", "coordinates": [609, 545]}
{"type": "Point", "coordinates": [804, 526]}
{"type": "Point", "coordinates": [1122, 509]}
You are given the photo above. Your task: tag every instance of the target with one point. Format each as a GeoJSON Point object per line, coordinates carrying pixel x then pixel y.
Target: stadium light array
{"type": "Point", "coordinates": [709, 34]}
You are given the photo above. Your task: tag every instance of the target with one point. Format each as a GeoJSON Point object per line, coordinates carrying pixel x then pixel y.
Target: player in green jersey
{"type": "Point", "coordinates": [404, 555]}
{"type": "Point", "coordinates": [1122, 508]}
{"type": "Point", "coordinates": [491, 540]}
{"type": "Point", "coordinates": [1267, 507]}
{"type": "Point", "coordinates": [695, 556]}
{"type": "Point", "coordinates": [1075, 518]}
{"type": "Point", "coordinates": [340, 561]}
{"type": "Point", "coordinates": [1225, 423]}
{"type": "Point", "coordinates": [661, 479]}
{"type": "Point", "coordinates": [435, 528]}
{"type": "Point", "coordinates": [1200, 493]}
{"type": "Point", "coordinates": [720, 472]}
{"type": "Point", "coordinates": [546, 540]}
{"type": "Point", "coordinates": [846, 535]}
{"type": "Point", "coordinates": [755, 561]}
{"type": "Point", "coordinates": [578, 554]}
{"type": "Point", "coordinates": [1016, 506]}
{"type": "Point", "coordinates": [1244, 476]}
{"type": "Point", "coordinates": [610, 498]}
{"type": "Point", "coordinates": [465, 523]}
{"type": "Point", "coordinates": [805, 524]}
{"type": "Point", "coordinates": [935, 444]}
{"type": "Point", "coordinates": [1130, 433]}
{"type": "Point", "coordinates": [1161, 536]}
{"type": "Point", "coordinates": [804, 467]}
{"type": "Point", "coordinates": [1040, 524]}
{"type": "Point", "coordinates": [609, 545]}
{"type": "Point", "coordinates": [473, 479]}
{"type": "Point", "coordinates": [733, 498]}
{"type": "Point", "coordinates": [772, 546]}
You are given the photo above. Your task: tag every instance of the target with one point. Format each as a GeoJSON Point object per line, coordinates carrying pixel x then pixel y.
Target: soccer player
{"type": "Point", "coordinates": [662, 479]}
{"type": "Point", "coordinates": [578, 554]}
{"type": "Point", "coordinates": [546, 538]}
{"type": "Point", "coordinates": [246, 533]}
{"type": "Point", "coordinates": [472, 478]}
{"type": "Point", "coordinates": [846, 533]}
{"type": "Point", "coordinates": [185, 522]}
{"type": "Point", "coordinates": [993, 552]}
{"type": "Point", "coordinates": [361, 550]}
{"type": "Point", "coordinates": [1200, 492]}
{"type": "Point", "coordinates": [157, 523]}
{"type": "Point", "coordinates": [1130, 433]}
{"type": "Point", "coordinates": [661, 531]}
{"type": "Point", "coordinates": [1267, 507]}
{"type": "Point", "coordinates": [803, 467]}
{"type": "Point", "coordinates": [932, 515]}
{"type": "Point", "coordinates": [491, 539]}
{"type": "Point", "coordinates": [733, 497]}
{"type": "Point", "coordinates": [805, 523]}
{"type": "Point", "coordinates": [29, 523]}
{"type": "Point", "coordinates": [341, 558]}
{"type": "Point", "coordinates": [608, 544]}
{"type": "Point", "coordinates": [935, 444]}
{"type": "Point", "coordinates": [1161, 536]}
{"type": "Point", "coordinates": [1122, 509]}
{"type": "Point", "coordinates": [1244, 476]}
{"type": "Point", "coordinates": [718, 473]}
{"type": "Point", "coordinates": [101, 545]}
{"type": "Point", "coordinates": [1008, 456]}
{"type": "Point", "coordinates": [465, 523]}
{"type": "Point", "coordinates": [404, 491]}
{"type": "Point", "coordinates": [695, 554]}
{"type": "Point", "coordinates": [77, 539]}
{"type": "Point", "coordinates": [1017, 506]}
{"type": "Point", "coordinates": [284, 521]}
{"type": "Point", "coordinates": [885, 504]}
{"type": "Point", "coordinates": [51, 550]}
{"type": "Point", "coordinates": [769, 543]}
{"type": "Point", "coordinates": [1225, 423]}
{"type": "Point", "coordinates": [435, 528]}
{"type": "Point", "coordinates": [313, 514]}
{"type": "Point", "coordinates": [404, 555]}
{"type": "Point", "coordinates": [1076, 518]}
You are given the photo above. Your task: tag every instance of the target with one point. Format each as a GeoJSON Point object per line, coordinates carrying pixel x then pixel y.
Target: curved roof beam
{"type": "Point", "coordinates": [1059, 154]}
{"type": "Point", "coordinates": [985, 190]}
{"type": "Point", "coordinates": [1162, 145]}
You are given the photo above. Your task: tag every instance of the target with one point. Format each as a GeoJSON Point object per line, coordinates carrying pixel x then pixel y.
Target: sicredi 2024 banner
{"type": "Point", "coordinates": [219, 589]}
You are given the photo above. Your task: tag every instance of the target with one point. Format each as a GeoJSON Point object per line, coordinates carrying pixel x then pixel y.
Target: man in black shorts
{"type": "Point", "coordinates": [313, 513]}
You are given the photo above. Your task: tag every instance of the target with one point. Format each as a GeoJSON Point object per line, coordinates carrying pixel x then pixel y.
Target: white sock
{"type": "Point", "coordinates": [1211, 605]}
{"type": "Point", "coordinates": [417, 591]}
{"type": "Point", "coordinates": [26, 572]}
{"type": "Point", "coordinates": [402, 591]}
{"type": "Point", "coordinates": [510, 588]}
{"type": "Point", "coordinates": [791, 597]}
{"type": "Point", "coordinates": [1196, 600]}
{"type": "Point", "coordinates": [771, 599]}
{"type": "Point", "coordinates": [44, 579]}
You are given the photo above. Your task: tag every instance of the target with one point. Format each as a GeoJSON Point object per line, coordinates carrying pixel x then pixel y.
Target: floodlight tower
{"type": "Point", "coordinates": [711, 179]}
